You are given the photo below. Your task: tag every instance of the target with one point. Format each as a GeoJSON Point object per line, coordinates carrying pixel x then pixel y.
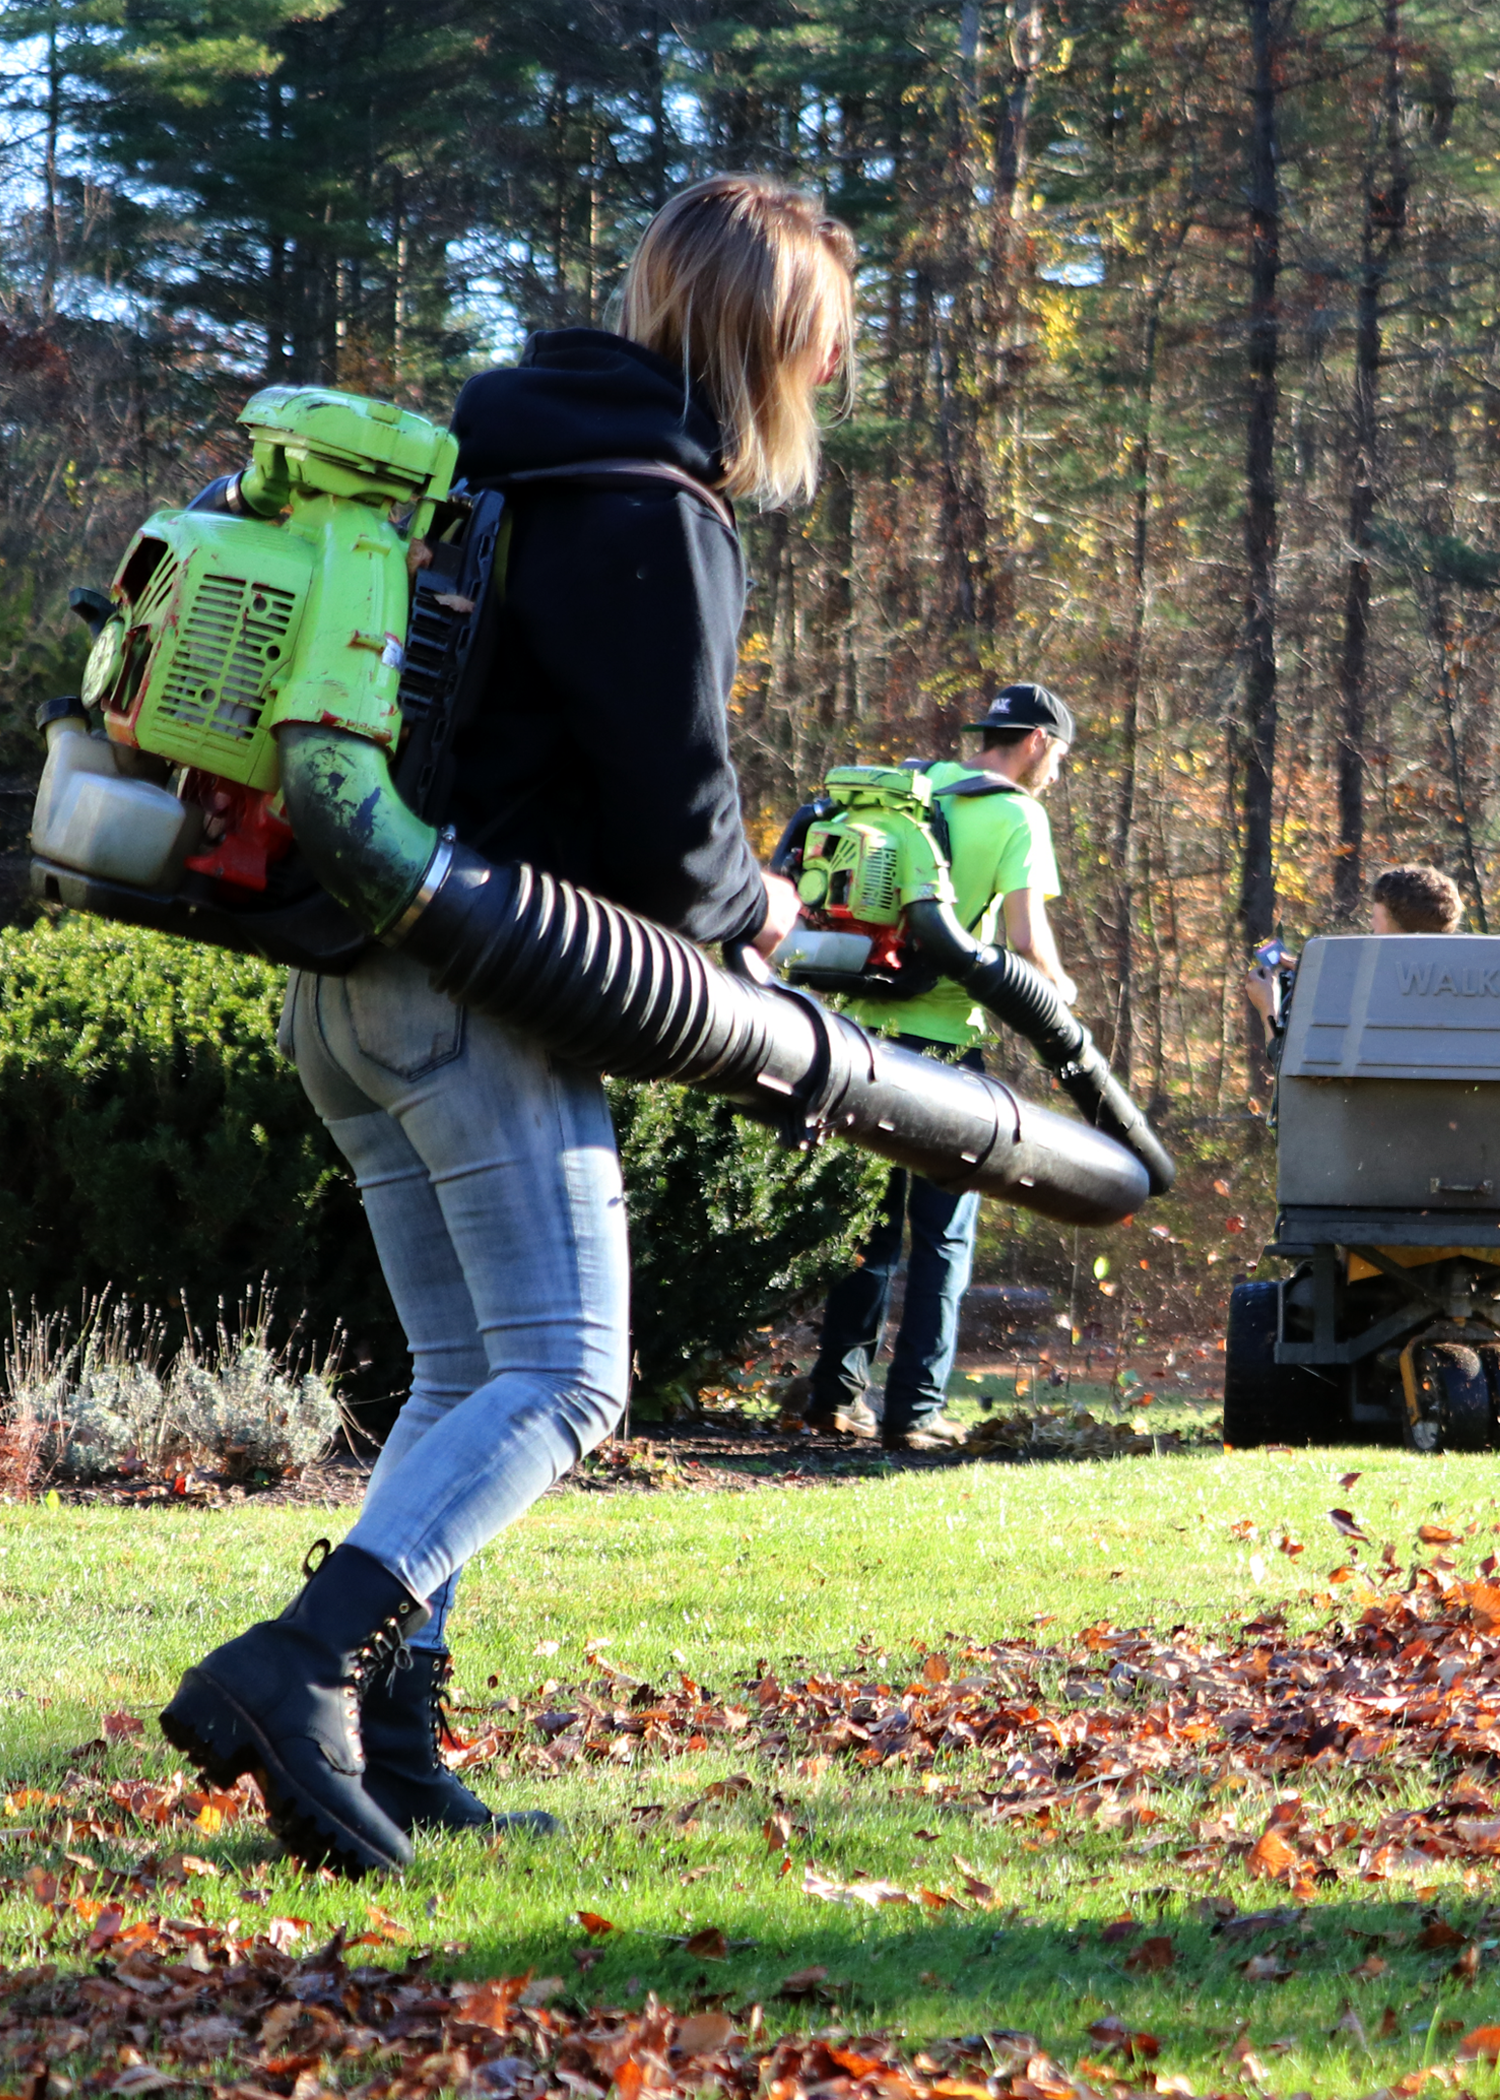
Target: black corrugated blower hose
{"type": "Point", "coordinates": [605, 989]}
{"type": "Point", "coordinates": [1008, 987]}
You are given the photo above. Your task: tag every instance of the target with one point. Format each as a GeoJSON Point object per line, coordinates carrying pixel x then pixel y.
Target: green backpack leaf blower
{"type": "Point", "coordinates": [871, 859]}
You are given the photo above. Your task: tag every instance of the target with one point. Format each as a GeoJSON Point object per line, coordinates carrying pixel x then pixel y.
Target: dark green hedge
{"type": "Point", "coordinates": [152, 1140]}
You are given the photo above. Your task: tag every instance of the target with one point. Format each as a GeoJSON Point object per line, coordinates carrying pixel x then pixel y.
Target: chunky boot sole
{"type": "Point", "coordinates": [431, 1805]}
{"type": "Point", "coordinates": [435, 1813]}
{"type": "Point", "coordinates": [208, 1725]}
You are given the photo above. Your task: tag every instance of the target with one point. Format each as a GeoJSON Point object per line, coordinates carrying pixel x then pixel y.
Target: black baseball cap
{"type": "Point", "coordinates": [1028, 707]}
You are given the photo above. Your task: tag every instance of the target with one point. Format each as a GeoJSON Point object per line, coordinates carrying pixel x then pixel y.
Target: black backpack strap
{"type": "Point", "coordinates": [979, 784]}
{"type": "Point", "coordinates": [456, 603]}
{"type": "Point", "coordinates": [969, 785]}
{"type": "Point", "coordinates": [598, 473]}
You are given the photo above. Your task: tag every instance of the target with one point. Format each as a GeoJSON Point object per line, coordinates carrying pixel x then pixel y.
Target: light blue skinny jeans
{"type": "Point", "coordinates": [492, 1185]}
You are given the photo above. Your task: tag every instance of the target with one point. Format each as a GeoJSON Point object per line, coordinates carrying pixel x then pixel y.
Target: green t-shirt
{"type": "Point", "coordinates": [1000, 843]}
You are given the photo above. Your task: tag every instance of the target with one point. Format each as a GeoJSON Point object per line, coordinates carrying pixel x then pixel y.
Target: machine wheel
{"type": "Point", "coordinates": [1266, 1402]}
{"type": "Point", "coordinates": [1455, 1395]}
{"type": "Point", "coordinates": [1489, 1363]}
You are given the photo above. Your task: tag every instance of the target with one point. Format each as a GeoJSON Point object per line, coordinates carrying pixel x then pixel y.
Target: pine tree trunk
{"type": "Point", "coordinates": [1257, 903]}
{"type": "Point", "coordinates": [1380, 235]}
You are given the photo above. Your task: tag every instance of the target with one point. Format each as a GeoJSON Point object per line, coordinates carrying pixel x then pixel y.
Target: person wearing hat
{"type": "Point", "coordinates": [1005, 874]}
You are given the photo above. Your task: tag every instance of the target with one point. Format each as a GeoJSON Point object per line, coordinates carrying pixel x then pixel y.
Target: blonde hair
{"type": "Point", "coordinates": [748, 285]}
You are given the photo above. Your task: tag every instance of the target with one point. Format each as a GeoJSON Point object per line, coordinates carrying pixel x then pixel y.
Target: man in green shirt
{"type": "Point", "coordinates": [1005, 874]}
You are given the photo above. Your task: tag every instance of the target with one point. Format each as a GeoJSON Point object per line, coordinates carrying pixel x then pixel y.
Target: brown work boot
{"type": "Point", "coordinates": [933, 1433]}
{"type": "Point", "coordinates": [849, 1418]}
{"type": "Point", "coordinates": [800, 1411]}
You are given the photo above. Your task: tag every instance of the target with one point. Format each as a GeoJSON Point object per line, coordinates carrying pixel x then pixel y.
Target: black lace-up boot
{"type": "Point", "coordinates": [401, 1723]}
{"type": "Point", "coordinates": [282, 1702]}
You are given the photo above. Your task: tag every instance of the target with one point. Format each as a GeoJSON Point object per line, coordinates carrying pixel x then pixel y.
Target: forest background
{"type": "Point", "coordinates": [1180, 391]}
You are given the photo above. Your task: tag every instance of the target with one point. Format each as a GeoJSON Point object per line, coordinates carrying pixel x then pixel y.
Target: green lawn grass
{"type": "Point", "coordinates": [102, 1608]}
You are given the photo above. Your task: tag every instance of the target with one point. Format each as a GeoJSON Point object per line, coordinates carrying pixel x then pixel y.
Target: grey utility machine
{"type": "Point", "coordinates": [1388, 1205]}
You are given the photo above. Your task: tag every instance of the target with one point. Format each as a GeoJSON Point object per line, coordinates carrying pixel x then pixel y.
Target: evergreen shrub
{"type": "Point", "coordinates": [153, 1142]}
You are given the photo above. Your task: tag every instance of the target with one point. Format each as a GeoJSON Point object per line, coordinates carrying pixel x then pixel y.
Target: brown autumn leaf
{"type": "Point", "coordinates": [702, 2033]}
{"type": "Point", "coordinates": [1437, 1535]}
{"type": "Point", "coordinates": [106, 1927]}
{"type": "Point", "coordinates": [1483, 1599]}
{"type": "Point", "coordinates": [1133, 2043]}
{"type": "Point", "coordinates": [1481, 2046]}
{"type": "Point", "coordinates": [1152, 1955]}
{"type": "Point", "coordinates": [802, 1983]}
{"type": "Point", "coordinates": [936, 1669]}
{"type": "Point", "coordinates": [1271, 1858]}
{"type": "Point", "coordinates": [1372, 1965]}
{"type": "Point", "coordinates": [1478, 1834]}
{"type": "Point", "coordinates": [1345, 1521]}
{"type": "Point", "coordinates": [1436, 1935]}
{"type": "Point", "coordinates": [1466, 1968]}
{"type": "Point", "coordinates": [120, 1727]}
{"type": "Point", "coordinates": [1267, 1968]}
{"type": "Point", "coordinates": [1350, 2023]}
{"type": "Point", "coordinates": [277, 2025]}
{"type": "Point", "coordinates": [592, 1923]}
{"type": "Point", "coordinates": [709, 1944]}
{"type": "Point", "coordinates": [541, 1991]}
{"type": "Point", "coordinates": [851, 2060]}
{"type": "Point", "coordinates": [1347, 1480]}
{"type": "Point", "coordinates": [489, 2004]}
{"type": "Point", "coordinates": [184, 1866]}
{"type": "Point", "coordinates": [777, 1832]}
{"type": "Point", "coordinates": [1221, 1188]}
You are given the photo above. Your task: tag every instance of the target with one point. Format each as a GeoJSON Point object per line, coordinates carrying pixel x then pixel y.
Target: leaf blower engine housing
{"type": "Point", "coordinates": [223, 626]}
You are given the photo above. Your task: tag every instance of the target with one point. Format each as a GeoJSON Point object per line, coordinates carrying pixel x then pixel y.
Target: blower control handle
{"type": "Point", "coordinates": [92, 607]}
{"type": "Point", "coordinates": [743, 959]}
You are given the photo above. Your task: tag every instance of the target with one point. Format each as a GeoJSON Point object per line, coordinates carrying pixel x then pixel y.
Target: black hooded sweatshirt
{"type": "Point", "coordinates": [605, 754]}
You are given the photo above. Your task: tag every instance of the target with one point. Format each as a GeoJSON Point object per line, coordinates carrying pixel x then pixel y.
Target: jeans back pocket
{"type": "Point", "coordinates": [398, 1021]}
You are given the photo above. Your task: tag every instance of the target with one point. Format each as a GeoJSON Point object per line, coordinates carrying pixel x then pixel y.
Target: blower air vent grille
{"type": "Point", "coordinates": [877, 881]}
{"type": "Point", "coordinates": [230, 643]}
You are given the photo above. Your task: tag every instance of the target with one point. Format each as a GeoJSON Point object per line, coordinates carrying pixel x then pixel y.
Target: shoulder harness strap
{"type": "Point", "coordinates": [450, 635]}
{"type": "Point", "coordinates": [587, 473]}
{"type": "Point", "coordinates": [979, 784]}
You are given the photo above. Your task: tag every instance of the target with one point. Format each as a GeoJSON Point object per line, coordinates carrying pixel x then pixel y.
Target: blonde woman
{"type": "Point", "coordinates": [489, 1172]}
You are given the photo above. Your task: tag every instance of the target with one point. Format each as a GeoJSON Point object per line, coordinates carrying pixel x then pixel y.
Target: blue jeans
{"type": "Point", "coordinates": [937, 1275]}
{"type": "Point", "coordinates": [492, 1186]}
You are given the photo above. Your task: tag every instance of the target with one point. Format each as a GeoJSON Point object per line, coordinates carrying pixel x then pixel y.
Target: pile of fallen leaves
{"type": "Point", "coordinates": [172, 2004]}
{"type": "Point", "coordinates": [1408, 1675]}
{"type": "Point", "coordinates": [1064, 1432]}
{"type": "Point", "coordinates": [1100, 1730]}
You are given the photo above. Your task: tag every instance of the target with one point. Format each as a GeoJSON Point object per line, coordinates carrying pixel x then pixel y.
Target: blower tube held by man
{"type": "Point", "coordinates": [606, 989]}
{"type": "Point", "coordinates": [1015, 993]}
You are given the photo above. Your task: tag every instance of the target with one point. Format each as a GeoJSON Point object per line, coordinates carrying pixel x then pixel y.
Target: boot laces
{"type": "Point", "coordinates": [437, 1705]}
{"type": "Point", "coordinates": [386, 1646]}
